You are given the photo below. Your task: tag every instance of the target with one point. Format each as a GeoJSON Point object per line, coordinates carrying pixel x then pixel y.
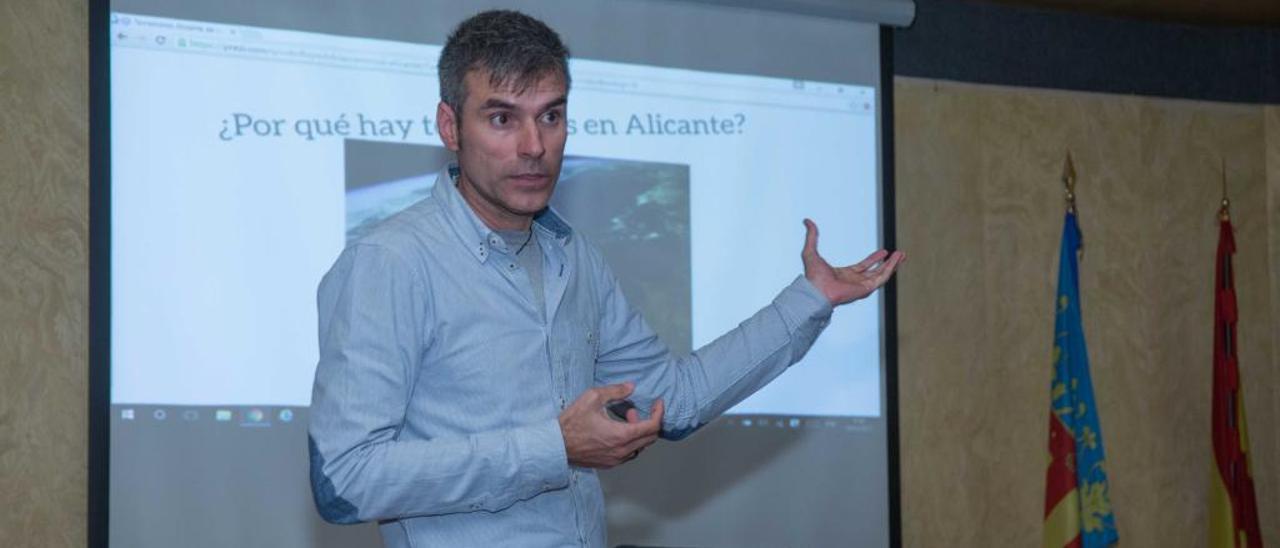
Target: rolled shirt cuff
{"type": "Point", "coordinates": [802, 302]}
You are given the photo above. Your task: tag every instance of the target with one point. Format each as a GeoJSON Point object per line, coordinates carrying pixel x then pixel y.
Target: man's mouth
{"type": "Point", "coordinates": [530, 178]}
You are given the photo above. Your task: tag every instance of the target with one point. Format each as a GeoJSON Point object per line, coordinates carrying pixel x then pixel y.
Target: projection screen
{"type": "Point", "coordinates": [249, 142]}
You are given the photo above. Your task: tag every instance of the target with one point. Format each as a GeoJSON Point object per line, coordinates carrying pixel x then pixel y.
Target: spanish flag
{"type": "Point", "coordinates": [1077, 509]}
{"type": "Point", "coordinates": [1233, 510]}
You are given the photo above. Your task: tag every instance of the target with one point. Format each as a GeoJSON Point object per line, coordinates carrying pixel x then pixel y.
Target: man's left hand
{"type": "Point", "coordinates": [846, 284]}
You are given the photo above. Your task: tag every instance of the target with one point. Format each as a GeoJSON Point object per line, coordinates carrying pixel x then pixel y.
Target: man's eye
{"type": "Point", "coordinates": [499, 119]}
{"type": "Point", "coordinates": [551, 117]}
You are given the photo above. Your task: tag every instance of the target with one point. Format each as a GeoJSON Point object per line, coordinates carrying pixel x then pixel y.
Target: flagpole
{"type": "Point", "coordinates": [1069, 182]}
{"type": "Point", "coordinates": [1224, 213]}
{"type": "Point", "coordinates": [1069, 187]}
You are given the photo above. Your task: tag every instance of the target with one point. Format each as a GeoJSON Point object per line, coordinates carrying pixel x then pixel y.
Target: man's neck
{"type": "Point", "coordinates": [492, 216]}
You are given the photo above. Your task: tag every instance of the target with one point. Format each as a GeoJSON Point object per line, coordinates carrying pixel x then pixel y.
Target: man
{"type": "Point", "coordinates": [469, 345]}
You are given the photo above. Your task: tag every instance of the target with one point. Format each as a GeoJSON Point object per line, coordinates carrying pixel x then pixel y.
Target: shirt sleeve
{"type": "Point", "coordinates": [699, 387]}
{"type": "Point", "coordinates": [374, 325]}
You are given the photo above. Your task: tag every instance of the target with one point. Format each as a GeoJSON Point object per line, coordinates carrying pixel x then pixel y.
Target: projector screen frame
{"type": "Point", "coordinates": [99, 463]}
{"type": "Point", "coordinates": [99, 329]}
{"type": "Point", "coordinates": [888, 239]}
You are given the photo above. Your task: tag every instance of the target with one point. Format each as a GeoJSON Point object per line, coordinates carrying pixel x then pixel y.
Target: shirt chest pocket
{"type": "Point", "coordinates": [578, 345]}
{"type": "Point", "coordinates": [577, 340]}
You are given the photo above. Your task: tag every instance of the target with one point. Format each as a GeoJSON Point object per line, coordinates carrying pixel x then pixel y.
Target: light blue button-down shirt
{"type": "Point", "coordinates": [440, 382]}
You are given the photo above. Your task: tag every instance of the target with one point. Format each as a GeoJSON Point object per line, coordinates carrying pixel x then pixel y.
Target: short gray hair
{"type": "Point", "coordinates": [516, 49]}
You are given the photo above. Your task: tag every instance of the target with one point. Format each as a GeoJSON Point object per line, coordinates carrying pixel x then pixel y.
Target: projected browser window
{"type": "Point", "coordinates": [240, 174]}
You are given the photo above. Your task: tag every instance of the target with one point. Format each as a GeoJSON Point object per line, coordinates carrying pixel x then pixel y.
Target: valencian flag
{"type": "Point", "coordinates": [1077, 509]}
{"type": "Point", "coordinates": [1233, 510]}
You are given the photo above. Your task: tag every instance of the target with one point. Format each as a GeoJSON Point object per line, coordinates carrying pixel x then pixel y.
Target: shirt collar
{"type": "Point", "coordinates": [476, 235]}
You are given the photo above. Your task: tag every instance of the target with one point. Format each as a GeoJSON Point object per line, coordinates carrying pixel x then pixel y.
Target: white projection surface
{"type": "Point", "coordinates": [245, 156]}
{"type": "Point", "coordinates": [228, 199]}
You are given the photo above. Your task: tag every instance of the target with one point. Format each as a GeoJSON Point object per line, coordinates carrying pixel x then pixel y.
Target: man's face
{"type": "Point", "coordinates": [509, 145]}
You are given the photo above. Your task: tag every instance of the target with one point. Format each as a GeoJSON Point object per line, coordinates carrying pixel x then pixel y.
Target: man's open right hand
{"type": "Point", "coordinates": [593, 440]}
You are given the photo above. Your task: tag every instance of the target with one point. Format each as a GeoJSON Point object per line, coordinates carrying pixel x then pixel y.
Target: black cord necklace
{"type": "Point", "coordinates": [526, 241]}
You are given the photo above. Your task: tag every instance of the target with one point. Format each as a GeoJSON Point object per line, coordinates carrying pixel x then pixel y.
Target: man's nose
{"type": "Point", "coordinates": [530, 145]}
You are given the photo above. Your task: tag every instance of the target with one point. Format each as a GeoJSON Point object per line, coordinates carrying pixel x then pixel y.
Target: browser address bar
{"type": "Point", "coordinates": [265, 50]}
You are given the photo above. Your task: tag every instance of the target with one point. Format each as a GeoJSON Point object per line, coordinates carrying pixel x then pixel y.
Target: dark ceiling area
{"type": "Point", "coordinates": [1257, 13]}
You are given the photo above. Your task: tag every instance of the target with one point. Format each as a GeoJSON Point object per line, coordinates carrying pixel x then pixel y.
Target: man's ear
{"type": "Point", "coordinates": [447, 126]}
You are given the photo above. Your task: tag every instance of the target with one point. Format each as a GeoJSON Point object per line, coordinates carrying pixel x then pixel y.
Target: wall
{"type": "Point", "coordinates": [979, 210]}
{"type": "Point", "coordinates": [44, 288]}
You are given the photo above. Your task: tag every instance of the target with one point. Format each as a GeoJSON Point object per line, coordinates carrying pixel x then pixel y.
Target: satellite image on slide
{"type": "Point", "coordinates": [636, 213]}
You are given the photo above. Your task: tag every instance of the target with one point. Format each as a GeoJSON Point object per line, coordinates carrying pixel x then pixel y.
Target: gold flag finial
{"type": "Point", "coordinates": [1069, 182]}
{"type": "Point", "coordinates": [1224, 212]}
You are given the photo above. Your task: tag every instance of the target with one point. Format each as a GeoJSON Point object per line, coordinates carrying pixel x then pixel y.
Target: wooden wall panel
{"type": "Point", "coordinates": [43, 272]}
{"type": "Point", "coordinates": [1266, 446]}
{"type": "Point", "coordinates": [979, 211]}
{"type": "Point", "coordinates": [939, 425]}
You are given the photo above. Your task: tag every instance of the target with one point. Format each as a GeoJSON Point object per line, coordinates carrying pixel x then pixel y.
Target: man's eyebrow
{"type": "Point", "coordinates": [557, 102]}
{"type": "Point", "coordinates": [494, 102]}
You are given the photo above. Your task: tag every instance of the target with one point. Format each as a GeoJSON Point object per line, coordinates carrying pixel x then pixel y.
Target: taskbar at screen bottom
{"type": "Point", "coordinates": [267, 416]}
{"type": "Point", "coordinates": [862, 425]}
{"type": "Point", "coordinates": [246, 416]}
